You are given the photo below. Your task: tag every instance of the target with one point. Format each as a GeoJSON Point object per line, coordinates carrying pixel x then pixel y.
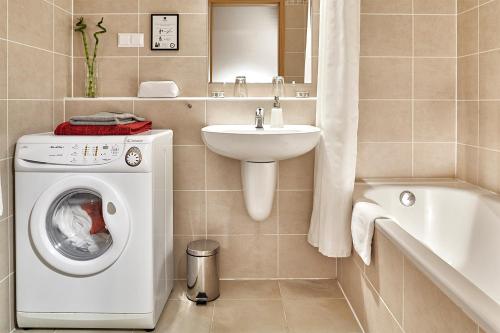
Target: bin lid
{"type": "Point", "coordinates": [203, 247]}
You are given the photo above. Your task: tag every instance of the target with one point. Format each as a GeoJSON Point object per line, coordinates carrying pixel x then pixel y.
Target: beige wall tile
{"type": "Point", "coordinates": [435, 35]}
{"type": "Point", "coordinates": [435, 78]}
{"type": "Point", "coordinates": [26, 117]}
{"type": "Point", "coordinates": [466, 4]}
{"type": "Point", "coordinates": [467, 77]}
{"type": "Point", "coordinates": [384, 121]}
{"type": "Point", "coordinates": [4, 246]}
{"type": "Point", "coordinates": [386, 35]}
{"type": "Point", "coordinates": [193, 36]}
{"type": "Point", "coordinates": [427, 309]}
{"type": "Point", "coordinates": [297, 173]}
{"type": "Point", "coordinates": [467, 122]}
{"type": "Point", "coordinates": [434, 160]}
{"type": "Point", "coordinates": [295, 16]}
{"type": "Point", "coordinates": [189, 168]}
{"type": "Point", "coordinates": [298, 259]}
{"type": "Point", "coordinates": [310, 289]}
{"type": "Point", "coordinates": [22, 14]}
{"type": "Point", "coordinates": [295, 208]}
{"type": "Point", "coordinates": [180, 246]}
{"type": "Point", "coordinates": [104, 6]}
{"type": "Point", "coordinates": [67, 5]}
{"type": "Point", "coordinates": [435, 6]}
{"type": "Point", "coordinates": [386, 6]}
{"type": "Point", "coordinates": [3, 130]}
{"type": "Point", "coordinates": [434, 121]}
{"type": "Point", "coordinates": [262, 263]}
{"type": "Point", "coordinates": [185, 118]}
{"type": "Point", "coordinates": [4, 306]}
{"type": "Point", "coordinates": [467, 163]}
{"type": "Point", "coordinates": [384, 160]}
{"type": "Point", "coordinates": [190, 74]}
{"type": "Point", "coordinates": [4, 171]}
{"type": "Point", "coordinates": [352, 283]}
{"type": "Point", "coordinates": [185, 316]}
{"type": "Point", "coordinates": [386, 273]}
{"type": "Point", "coordinates": [249, 289]}
{"type": "Point", "coordinates": [180, 6]}
{"type": "Point", "coordinates": [385, 78]}
{"type": "Point", "coordinates": [489, 26]}
{"type": "Point", "coordinates": [108, 42]}
{"type": "Point", "coordinates": [248, 316]}
{"type": "Point", "coordinates": [3, 18]}
{"type": "Point", "coordinates": [489, 123]}
{"type": "Point", "coordinates": [58, 113]}
{"type": "Point", "coordinates": [236, 112]}
{"type": "Point", "coordinates": [489, 170]}
{"type": "Point", "coordinates": [227, 215]}
{"type": "Point", "coordinates": [117, 77]}
{"type": "Point", "coordinates": [295, 40]}
{"type": "Point", "coordinates": [299, 112]}
{"type": "Point", "coordinates": [3, 69]}
{"type": "Point", "coordinates": [223, 173]}
{"type": "Point", "coordinates": [189, 213]}
{"type": "Point", "coordinates": [62, 75]}
{"type": "Point", "coordinates": [294, 64]}
{"type": "Point", "coordinates": [10, 180]}
{"type": "Point", "coordinates": [63, 28]}
{"type": "Point", "coordinates": [467, 25]}
{"type": "Point", "coordinates": [30, 72]}
{"type": "Point", "coordinates": [321, 315]}
{"type": "Point", "coordinates": [91, 106]}
{"type": "Point", "coordinates": [489, 75]}
{"type": "Point", "coordinates": [370, 309]}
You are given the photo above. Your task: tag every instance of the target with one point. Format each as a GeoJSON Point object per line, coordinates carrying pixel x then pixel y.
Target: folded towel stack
{"type": "Point", "coordinates": [104, 123]}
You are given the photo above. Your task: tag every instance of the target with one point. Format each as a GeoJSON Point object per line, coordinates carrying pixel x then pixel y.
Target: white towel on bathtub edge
{"type": "Point", "coordinates": [363, 219]}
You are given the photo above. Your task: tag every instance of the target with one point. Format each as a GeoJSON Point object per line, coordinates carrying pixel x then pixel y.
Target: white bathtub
{"type": "Point", "coordinates": [452, 234]}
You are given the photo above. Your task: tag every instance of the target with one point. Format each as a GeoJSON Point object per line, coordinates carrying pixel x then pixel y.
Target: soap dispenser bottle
{"type": "Point", "coordinates": [277, 114]}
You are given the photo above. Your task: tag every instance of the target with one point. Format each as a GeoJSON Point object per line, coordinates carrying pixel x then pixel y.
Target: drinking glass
{"type": "Point", "coordinates": [240, 87]}
{"type": "Point", "coordinates": [279, 86]}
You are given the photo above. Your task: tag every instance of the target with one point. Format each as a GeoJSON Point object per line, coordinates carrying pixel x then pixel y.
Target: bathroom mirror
{"type": "Point", "coordinates": [260, 39]}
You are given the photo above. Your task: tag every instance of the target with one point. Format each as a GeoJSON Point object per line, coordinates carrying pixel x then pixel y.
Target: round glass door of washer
{"type": "Point", "coordinates": [76, 227]}
{"type": "Point", "coordinates": [80, 225]}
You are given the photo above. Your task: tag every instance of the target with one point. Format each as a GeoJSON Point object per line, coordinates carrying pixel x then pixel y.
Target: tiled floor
{"type": "Point", "coordinates": [288, 306]}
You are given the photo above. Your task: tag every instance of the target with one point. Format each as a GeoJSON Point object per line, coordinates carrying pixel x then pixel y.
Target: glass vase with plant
{"type": "Point", "coordinates": [90, 61]}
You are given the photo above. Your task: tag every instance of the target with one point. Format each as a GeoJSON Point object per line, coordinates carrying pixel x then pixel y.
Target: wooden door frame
{"type": "Point", "coordinates": [281, 27]}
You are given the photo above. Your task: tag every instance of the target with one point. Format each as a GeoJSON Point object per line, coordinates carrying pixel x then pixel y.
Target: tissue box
{"type": "Point", "coordinates": [158, 89]}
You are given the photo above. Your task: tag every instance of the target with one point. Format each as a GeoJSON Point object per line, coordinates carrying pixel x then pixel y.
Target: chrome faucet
{"type": "Point", "coordinates": [259, 118]}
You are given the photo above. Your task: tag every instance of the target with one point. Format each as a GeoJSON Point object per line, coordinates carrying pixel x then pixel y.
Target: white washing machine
{"type": "Point", "coordinates": [94, 238]}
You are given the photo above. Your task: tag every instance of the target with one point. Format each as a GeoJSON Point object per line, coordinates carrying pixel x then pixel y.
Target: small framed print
{"type": "Point", "coordinates": [164, 32]}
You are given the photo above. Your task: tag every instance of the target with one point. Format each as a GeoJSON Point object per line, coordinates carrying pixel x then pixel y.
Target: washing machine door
{"type": "Point", "coordinates": [80, 225]}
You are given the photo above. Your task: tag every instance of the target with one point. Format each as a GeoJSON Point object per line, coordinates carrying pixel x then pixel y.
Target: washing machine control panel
{"type": "Point", "coordinates": [83, 153]}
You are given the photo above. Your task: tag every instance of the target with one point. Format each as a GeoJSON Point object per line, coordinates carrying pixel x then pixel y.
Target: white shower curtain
{"type": "Point", "coordinates": [337, 116]}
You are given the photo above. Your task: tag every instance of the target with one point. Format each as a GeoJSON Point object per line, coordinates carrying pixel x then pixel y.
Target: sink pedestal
{"type": "Point", "coordinates": [259, 185]}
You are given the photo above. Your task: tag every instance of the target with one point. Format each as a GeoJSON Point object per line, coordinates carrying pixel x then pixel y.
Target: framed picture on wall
{"type": "Point", "coordinates": [164, 32]}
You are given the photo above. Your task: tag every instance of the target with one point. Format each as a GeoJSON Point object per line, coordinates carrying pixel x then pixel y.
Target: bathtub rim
{"type": "Point", "coordinates": [473, 301]}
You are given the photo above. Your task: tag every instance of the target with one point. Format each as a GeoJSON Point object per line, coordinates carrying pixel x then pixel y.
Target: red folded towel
{"type": "Point", "coordinates": [127, 129]}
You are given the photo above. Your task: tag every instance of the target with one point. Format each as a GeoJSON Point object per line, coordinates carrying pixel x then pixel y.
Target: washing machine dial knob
{"type": "Point", "coordinates": [133, 157]}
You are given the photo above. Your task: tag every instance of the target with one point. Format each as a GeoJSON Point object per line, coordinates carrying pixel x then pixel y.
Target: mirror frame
{"type": "Point", "coordinates": [281, 28]}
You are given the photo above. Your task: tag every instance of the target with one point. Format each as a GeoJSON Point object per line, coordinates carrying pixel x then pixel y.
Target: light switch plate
{"type": "Point", "coordinates": [130, 40]}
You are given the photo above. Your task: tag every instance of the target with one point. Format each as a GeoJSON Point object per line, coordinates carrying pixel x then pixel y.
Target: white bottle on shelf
{"type": "Point", "coordinates": [277, 114]}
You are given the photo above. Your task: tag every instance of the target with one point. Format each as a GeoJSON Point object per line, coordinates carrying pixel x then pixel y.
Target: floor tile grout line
{"type": "Point", "coordinates": [351, 307]}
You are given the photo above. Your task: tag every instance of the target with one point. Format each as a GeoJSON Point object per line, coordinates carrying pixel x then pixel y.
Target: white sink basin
{"type": "Point", "coordinates": [247, 143]}
{"type": "Point", "coordinates": [258, 150]}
